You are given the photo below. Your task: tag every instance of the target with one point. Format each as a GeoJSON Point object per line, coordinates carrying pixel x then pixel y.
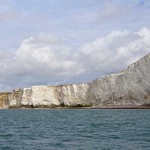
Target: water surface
{"type": "Point", "coordinates": [75, 129]}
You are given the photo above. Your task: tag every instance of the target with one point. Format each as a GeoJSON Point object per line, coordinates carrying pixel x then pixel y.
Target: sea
{"type": "Point", "coordinates": [75, 129]}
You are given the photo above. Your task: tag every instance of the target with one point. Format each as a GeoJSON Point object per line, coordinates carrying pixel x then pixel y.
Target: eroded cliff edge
{"type": "Point", "coordinates": [131, 87]}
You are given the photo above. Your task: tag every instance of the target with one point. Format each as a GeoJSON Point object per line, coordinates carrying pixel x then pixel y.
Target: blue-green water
{"type": "Point", "coordinates": [75, 129]}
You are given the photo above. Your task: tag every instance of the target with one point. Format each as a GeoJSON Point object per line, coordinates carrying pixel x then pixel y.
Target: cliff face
{"type": "Point", "coordinates": [45, 96]}
{"type": "Point", "coordinates": [75, 95]}
{"type": "Point", "coordinates": [130, 87]}
{"type": "Point", "coordinates": [15, 98]}
{"type": "Point", "coordinates": [4, 99]}
{"type": "Point", "coordinates": [50, 96]}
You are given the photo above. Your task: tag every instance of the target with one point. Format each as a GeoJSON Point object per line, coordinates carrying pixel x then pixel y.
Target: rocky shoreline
{"type": "Point", "coordinates": [104, 107]}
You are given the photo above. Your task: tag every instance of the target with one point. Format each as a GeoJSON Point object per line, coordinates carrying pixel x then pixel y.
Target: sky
{"type": "Point", "coordinates": [53, 42]}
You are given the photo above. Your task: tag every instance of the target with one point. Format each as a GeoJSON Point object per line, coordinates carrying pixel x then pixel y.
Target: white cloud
{"type": "Point", "coordinates": [116, 50]}
{"type": "Point", "coordinates": [39, 60]}
{"type": "Point", "coordinates": [46, 56]}
{"type": "Point", "coordinates": [45, 60]}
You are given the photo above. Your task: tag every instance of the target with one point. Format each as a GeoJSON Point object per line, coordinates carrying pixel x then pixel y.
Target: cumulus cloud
{"type": "Point", "coordinates": [43, 59]}
{"type": "Point", "coordinates": [44, 55]}
{"type": "Point", "coordinates": [115, 51]}
{"type": "Point", "coordinates": [38, 60]}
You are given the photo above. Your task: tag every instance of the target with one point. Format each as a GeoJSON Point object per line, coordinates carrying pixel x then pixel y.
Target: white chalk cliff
{"type": "Point", "coordinates": [131, 87]}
